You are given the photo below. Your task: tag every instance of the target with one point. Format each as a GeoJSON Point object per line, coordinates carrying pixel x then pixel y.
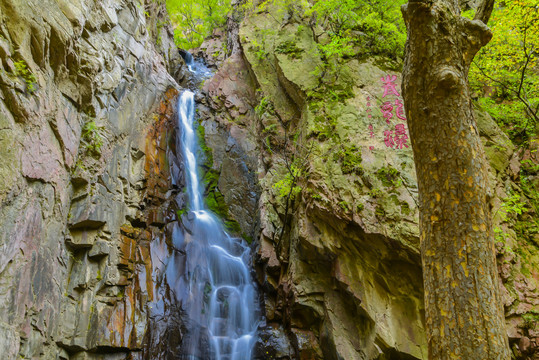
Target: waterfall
{"type": "Point", "coordinates": [220, 300]}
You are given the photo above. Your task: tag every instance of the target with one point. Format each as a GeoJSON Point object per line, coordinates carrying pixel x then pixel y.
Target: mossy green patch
{"type": "Point", "coordinates": [21, 69]}
{"type": "Point", "coordinates": [208, 153]}
{"type": "Point", "coordinates": [289, 48]}
{"type": "Point", "coordinates": [215, 201]}
{"type": "Point", "coordinates": [350, 158]}
{"type": "Point", "coordinates": [531, 319]}
{"type": "Point", "coordinates": [389, 176]}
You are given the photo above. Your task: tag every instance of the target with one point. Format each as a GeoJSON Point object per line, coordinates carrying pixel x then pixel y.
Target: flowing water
{"type": "Point", "coordinates": [221, 301]}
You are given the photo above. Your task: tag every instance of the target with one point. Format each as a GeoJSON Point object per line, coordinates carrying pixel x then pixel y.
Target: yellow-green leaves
{"type": "Point", "coordinates": [194, 20]}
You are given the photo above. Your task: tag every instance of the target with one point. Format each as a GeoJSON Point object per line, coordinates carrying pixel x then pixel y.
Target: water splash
{"type": "Point", "coordinates": [221, 304]}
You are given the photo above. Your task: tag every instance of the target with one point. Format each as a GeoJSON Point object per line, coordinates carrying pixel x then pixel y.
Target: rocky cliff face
{"type": "Point", "coordinates": [338, 245]}
{"type": "Point", "coordinates": [84, 107]}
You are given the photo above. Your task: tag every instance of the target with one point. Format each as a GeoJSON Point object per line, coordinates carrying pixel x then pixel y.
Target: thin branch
{"type": "Point", "coordinates": [529, 109]}
{"type": "Point", "coordinates": [484, 11]}
{"type": "Point", "coordinates": [523, 73]}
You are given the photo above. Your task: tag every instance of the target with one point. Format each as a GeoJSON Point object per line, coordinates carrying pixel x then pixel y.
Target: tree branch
{"type": "Point", "coordinates": [484, 11]}
{"type": "Point", "coordinates": [529, 109]}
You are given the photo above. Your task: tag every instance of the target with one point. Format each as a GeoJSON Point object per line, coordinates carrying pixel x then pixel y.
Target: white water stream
{"type": "Point", "coordinates": [221, 301]}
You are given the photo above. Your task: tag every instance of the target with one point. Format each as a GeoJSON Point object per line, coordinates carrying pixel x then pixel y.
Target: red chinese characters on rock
{"type": "Point", "coordinates": [389, 85]}
{"type": "Point", "coordinates": [400, 136]}
{"type": "Point", "coordinates": [387, 109]}
{"type": "Point", "coordinates": [371, 129]}
{"type": "Point", "coordinates": [397, 138]}
{"type": "Point", "coordinates": [397, 141]}
{"type": "Point", "coordinates": [400, 110]}
{"type": "Point", "coordinates": [388, 138]}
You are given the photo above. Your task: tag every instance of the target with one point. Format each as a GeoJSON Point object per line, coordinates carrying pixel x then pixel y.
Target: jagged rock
{"type": "Point", "coordinates": [93, 63]}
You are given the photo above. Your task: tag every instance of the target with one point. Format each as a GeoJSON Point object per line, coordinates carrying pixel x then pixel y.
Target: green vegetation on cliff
{"type": "Point", "coordinates": [195, 20]}
{"type": "Point", "coordinates": [505, 73]}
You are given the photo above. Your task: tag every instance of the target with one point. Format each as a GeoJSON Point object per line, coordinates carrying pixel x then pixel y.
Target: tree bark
{"type": "Point", "coordinates": [464, 314]}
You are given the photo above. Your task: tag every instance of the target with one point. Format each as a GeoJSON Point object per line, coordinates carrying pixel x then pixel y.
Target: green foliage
{"type": "Point", "coordinates": [324, 126]}
{"type": "Point", "coordinates": [21, 69]}
{"type": "Point", "coordinates": [92, 137]}
{"type": "Point", "coordinates": [259, 50]}
{"type": "Point", "coordinates": [505, 72]}
{"type": "Point", "coordinates": [287, 187]}
{"type": "Point", "coordinates": [264, 106]}
{"type": "Point", "coordinates": [374, 27]}
{"type": "Point", "coordinates": [528, 227]}
{"type": "Point", "coordinates": [195, 20]}
{"type": "Point", "coordinates": [529, 168]}
{"type": "Point", "coordinates": [531, 319]}
{"type": "Point", "coordinates": [512, 207]}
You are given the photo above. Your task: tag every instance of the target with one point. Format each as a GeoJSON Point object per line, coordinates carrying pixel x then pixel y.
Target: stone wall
{"type": "Point", "coordinates": [83, 96]}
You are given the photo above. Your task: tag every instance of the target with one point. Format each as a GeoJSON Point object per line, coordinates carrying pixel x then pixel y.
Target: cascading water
{"type": "Point", "coordinates": [221, 301]}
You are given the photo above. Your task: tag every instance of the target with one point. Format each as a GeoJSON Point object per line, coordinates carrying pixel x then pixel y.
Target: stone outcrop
{"type": "Point", "coordinates": [84, 107]}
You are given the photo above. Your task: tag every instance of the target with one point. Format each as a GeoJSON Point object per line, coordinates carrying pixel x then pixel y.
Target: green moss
{"type": "Point", "coordinates": [208, 153]}
{"type": "Point", "coordinates": [350, 158]}
{"type": "Point", "coordinates": [215, 201]}
{"type": "Point", "coordinates": [247, 238]}
{"type": "Point", "coordinates": [360, 207]}
{"type": "Point", "coordinates": [375, 193]}
{"type": "Point", "coordinates": [344, 206]}
{"type": "Point", "coordinates": [389, 176]}
{"type": "Point", "coordinates": [21, 69]}
{"type": "Point", "coordinates": [181, 212]}
{"type": "Point", "coordinates": [380, 212]}
{"type": "Point", "coordinates": [232, 226]}
{"type": "Point", "coordinates": [289, 48]}
{"type": "Point", "coordinates": [405, 208]}
{"type": "Point", "coordinates": [531, 320]}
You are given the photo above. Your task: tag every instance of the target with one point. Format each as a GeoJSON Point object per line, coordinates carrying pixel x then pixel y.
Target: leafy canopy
{"type": "Point", "coordinates": [194, 20]}
{"type": "Point", "coordinates": [348, 27]}
{"type": "Point", "coordinates": [375, 26]}
{"type": "Point", "coordinates": [505, 73]}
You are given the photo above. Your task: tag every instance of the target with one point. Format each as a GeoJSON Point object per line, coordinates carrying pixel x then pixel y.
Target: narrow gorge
{"type": "Point", "coordinates": [251, 198]}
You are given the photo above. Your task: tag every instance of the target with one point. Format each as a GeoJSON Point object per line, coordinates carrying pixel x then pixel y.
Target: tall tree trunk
{"type": "Point", "coordinates": [464, 314]}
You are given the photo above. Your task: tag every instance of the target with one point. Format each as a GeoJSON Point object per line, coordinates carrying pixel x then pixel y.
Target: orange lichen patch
{"type": "Point", "coordinates": [127, 248]}
{"type": "Point", "coordinates": [157, 141]}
